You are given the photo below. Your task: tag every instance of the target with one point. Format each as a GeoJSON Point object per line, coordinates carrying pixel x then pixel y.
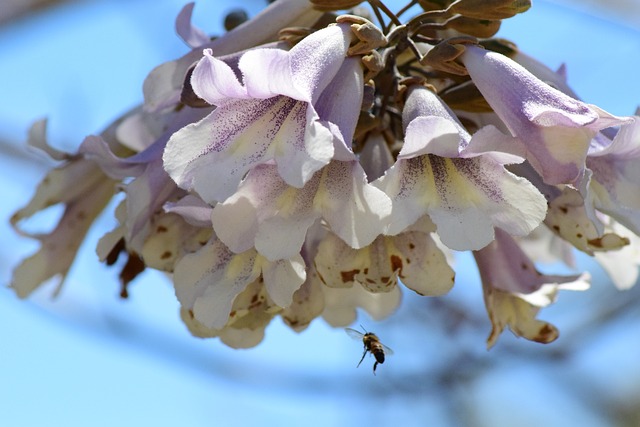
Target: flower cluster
{"type": "Point", "coordinates": [307, 163]}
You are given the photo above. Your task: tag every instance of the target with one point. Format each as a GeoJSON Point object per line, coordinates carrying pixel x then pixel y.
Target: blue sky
{"type": "Point", "coordinates": [88, 358]}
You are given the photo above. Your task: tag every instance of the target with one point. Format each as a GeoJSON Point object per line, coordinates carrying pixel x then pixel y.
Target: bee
{"type": "Point", "coordinates": [372, 345]}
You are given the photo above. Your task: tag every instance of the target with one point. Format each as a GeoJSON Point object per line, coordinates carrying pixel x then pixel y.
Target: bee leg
{"type": "Point", "coordinates": [363, 355]}
{"type": "Point", "coordinates": [375, 365]}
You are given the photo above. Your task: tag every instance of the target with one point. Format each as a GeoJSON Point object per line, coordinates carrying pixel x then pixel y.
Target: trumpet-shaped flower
{"type": "Point", "coordinates": [84, 190]}
{"type": "Point", "coordinates": [151, 187]}
{"type": "Point", "coordinates": [270, 116]}
{"type": "Point", "coordinates": [163, 85]}
{"type": "Point", "coordinates": [465, 197]}
{"type": "Point", "coordinates": [554, 130]}
{"type": "Point", "coordinates": [514, 291]}
{"type": "Point", "coordinates": [272, 216]}
{"type": "Point", "coordinates": [208, 281]}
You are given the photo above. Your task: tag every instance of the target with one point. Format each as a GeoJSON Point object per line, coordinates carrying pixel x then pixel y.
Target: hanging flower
{"type": "Point", "coordinates": [464, 197]}
{"type": "Point", "coordinates": [514, 291]}
{"type": "Point", "coordinates": [271, 117]}
{"type": "Point", "coordinates": [299, 169]}
{"type": "Point", "coordinates": [84, 190]}
{"type": "Point", "coordinates": [269, 214]}
{"type": "Point", "coordinates": [553, 129]}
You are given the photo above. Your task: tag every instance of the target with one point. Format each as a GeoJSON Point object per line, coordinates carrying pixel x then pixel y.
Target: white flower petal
{"type": "Point", "coordinates": [308, 303]}
{"type": "Point", "coordinates": [266, 213]}
{"type": "Point", "coordinates": [425, 269]}
{"type": "Point", "coordinates": [341, 304]}
{"type": "Point", "coordinates": [355, 210]}
{"type": "Point", "coordinates": [207, 281]}
{"type": "Point", "coordinates": [282, 278]}
{"type": "Point", "coordinates": [465, 198]}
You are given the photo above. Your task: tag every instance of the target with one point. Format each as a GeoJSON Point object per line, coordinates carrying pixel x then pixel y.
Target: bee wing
{"type": "Point", "coordinates": [354, 334]}
{"type": "Point", "coordinates": [387, 350]}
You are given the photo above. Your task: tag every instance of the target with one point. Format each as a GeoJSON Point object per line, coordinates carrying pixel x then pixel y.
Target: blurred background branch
{"type": "Point", "coordinates": [11, 10]}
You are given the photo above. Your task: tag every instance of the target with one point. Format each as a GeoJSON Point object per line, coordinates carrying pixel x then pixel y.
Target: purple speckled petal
{"type": "Point", "coordinates": [266, 213]}
{"type": "Point", "coordinates": [267, 73]}
{"type": "Point", "coordinates": [213, 155]}
{"type": "Point", "coordinates": [465, 198]}
{"type": "Point", "coordinates": [318, 57]}
{"type": "Point", "coordinates": [303, 146]}
{"type": "Point", "coordinates": [301, 73]}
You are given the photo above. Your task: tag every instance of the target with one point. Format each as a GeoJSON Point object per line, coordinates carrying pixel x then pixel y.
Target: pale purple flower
{"type": "Point", "coordinates": [514, 291]}
{"type": "Point", "coordinates": [151, 187]}
{"type": "Point", "coordinates": [208, 281]}
{"type": "Point", "coordinates": [614, 182]}
{"type": "Point", "coordinates": [465, 197]}
{"type": "Point", "coordinates": [269, 214]}
{"type": "Point", "coordinates": [553, 129]}
{"type": "Point", "coordinates": [273, 217]}
{"type": "Point", "coordinates": [84, 190]}
{"type": "Point", "coordinates": [270, 116]}
{"type": "Point", "coordinates": [163, 85]}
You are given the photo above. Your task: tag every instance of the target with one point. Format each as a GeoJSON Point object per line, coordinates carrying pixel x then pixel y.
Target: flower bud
{"type": "Point", "coordinates": [443, 55]}
{"type": "Point", "coordinates": [482, 28]}
{"type": "Point", "coordinates": [327, 5]}
{"type": "Point", "coordinates": [429, 5]}
{"type": "Point", "coordinates": [373, 64]}
{"type": "Point", "coordinates": [466, 97]}
{"type": "Point", "coordinates": [489, 9]}
{"type": "Point", "coordinates": [369, 37]}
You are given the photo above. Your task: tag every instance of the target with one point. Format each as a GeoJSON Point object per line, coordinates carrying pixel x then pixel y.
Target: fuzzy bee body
{"type": "Point", "coordinates": [372, 345]}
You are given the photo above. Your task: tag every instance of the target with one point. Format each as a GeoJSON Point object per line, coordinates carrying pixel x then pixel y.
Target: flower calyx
{"type": "Point", "coordinates": [368, 36]}
{"type": "Point", "coordinates": [293, 35]}
{"type": "Point", "coordinates": [443, 56]}
{"type": "Point", "coordinates": [373, 63]}
{"type": "Point", "coordinates": [405, 83]}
